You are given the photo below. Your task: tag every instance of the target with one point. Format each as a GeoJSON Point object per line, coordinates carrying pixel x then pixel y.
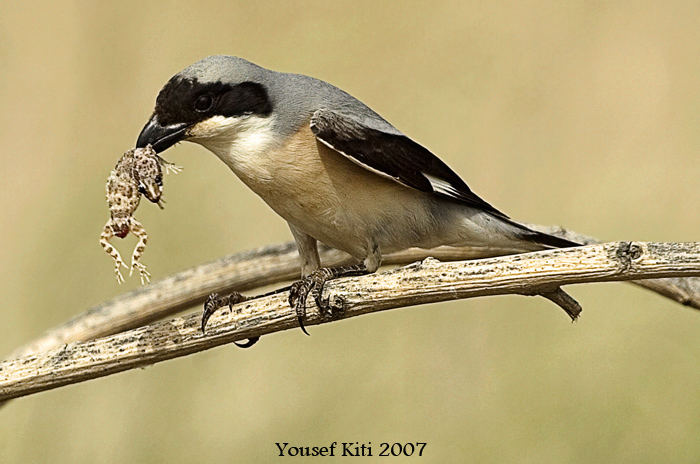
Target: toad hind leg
{"type": "Point", "coordinates": [111, 251]}
{"type": "Point", "coordinates": [138, 230]}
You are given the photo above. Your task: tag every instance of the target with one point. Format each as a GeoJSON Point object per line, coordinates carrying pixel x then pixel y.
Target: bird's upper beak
{"type": "Point", "coordinates": [161, 137]}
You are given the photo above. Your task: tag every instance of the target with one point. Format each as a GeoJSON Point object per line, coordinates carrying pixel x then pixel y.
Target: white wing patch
{"type": "Point", "coordinates": [442, 186]}
{"type": "Point", "coordinates": [438, 185]}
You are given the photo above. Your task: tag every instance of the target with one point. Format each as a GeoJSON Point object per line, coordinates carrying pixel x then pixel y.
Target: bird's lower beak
{"type": "Point", "coordinates": [160, 137]}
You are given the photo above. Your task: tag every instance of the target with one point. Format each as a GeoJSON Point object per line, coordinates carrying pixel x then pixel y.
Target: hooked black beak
{"type": "Point", "coordinates": [161, 137]}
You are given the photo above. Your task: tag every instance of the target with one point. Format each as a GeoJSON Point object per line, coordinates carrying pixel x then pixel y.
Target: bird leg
{"type": "Point", "coordinates": [313, 283]}
{"type": "Point", "coordinates": [214, 302]}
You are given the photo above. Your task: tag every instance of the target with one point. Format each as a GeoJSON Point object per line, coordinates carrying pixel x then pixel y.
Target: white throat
{"type": "Point", "coordinates": [243, 143]}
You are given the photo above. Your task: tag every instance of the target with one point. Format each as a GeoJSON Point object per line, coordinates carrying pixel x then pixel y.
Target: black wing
{"type": "Point", "coordinates": [393, 155]}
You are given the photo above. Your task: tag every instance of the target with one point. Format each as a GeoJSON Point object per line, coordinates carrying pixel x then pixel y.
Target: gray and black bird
{"type": "Point", "coordinates": [335, 170]}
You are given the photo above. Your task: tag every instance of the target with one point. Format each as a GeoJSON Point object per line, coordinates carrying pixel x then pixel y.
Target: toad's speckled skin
{"type": "Point", "coordinates": [139, 171]}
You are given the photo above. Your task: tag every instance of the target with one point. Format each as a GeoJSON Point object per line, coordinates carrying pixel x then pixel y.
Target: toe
{"type": "Point", "coordinates": [297, 300]}
{"type": "Point", "coordinates": [210, 306]}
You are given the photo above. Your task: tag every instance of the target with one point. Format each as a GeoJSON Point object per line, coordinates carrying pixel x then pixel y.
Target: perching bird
{"type": "Point", "coordinates": [335, 170]}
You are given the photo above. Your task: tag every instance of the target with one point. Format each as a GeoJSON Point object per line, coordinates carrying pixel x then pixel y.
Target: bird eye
{"type": "Point", "coordinates": [204, 103]}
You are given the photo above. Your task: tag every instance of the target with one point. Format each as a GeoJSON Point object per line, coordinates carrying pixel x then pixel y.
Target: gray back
{"type": "Point", "coordinates": [295, 97]}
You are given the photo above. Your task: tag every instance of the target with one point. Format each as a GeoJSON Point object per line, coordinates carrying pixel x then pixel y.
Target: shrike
{"type": "Point", "coordinates": [335, 170]}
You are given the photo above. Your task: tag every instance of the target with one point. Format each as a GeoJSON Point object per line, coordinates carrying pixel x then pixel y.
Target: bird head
{"type": "Point", "coordinates": [210, 102]}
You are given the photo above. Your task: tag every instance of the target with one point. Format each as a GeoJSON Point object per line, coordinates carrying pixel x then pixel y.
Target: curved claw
{"type": "Point", "coordinates": [210, 306]}
{"type": "Point", "coordinates": [301, 325]}
{"type": "Point", "coordinates": [297, 300]}
{"type": "Point", "coordinates": [215, 302]}
{"type": "Point", "coordinates": [314, 283]}
{"type": "Point", "coordinates": [251, 341]}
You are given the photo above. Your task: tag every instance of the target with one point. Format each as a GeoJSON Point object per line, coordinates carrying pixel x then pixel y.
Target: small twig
{"type": "Point", "coordinates": [565, 301]}
{"type": "Point", "coordinates": [425, 282]}
{"type": "Point", "coordinates": [266, 266]}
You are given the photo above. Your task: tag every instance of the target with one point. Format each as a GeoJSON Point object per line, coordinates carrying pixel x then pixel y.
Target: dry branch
{"type": "Point", "coordinates": [425, 282]}
{"type": "Point", "coordinates": [266, 266]}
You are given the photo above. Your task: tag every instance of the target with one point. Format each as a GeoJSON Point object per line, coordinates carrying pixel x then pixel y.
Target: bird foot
{"type": "Point", "coordinates": [313, 284]}
{"type": "Point", "coordinates": [214, 302]}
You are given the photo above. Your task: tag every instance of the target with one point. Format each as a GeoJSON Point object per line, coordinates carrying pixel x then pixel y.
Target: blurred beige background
{"type": "Point", "coordinates": [585, 114]}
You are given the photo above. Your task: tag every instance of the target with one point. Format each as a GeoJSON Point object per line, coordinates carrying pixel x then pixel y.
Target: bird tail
{"type": "Point", "coordinates": [540, 238]}
{"type": "Point", "coordinates": [482, 228]}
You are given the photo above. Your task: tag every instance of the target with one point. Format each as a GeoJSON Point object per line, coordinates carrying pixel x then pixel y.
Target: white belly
{"type": "Point", "coordinates": [330, 198]}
